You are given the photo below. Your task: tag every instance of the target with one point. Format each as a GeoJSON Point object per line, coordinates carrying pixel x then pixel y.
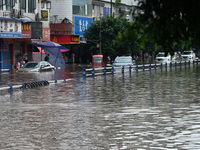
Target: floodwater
{"type": "Point", "coordinates": [151, 110]}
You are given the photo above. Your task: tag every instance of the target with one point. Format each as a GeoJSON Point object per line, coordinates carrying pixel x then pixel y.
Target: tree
{"type": "Point", "coordinates": [171, 23]}
{"type": "Point", "coordinates": [110, 27]}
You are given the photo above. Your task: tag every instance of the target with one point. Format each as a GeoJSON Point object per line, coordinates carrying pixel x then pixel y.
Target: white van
{"type": "Point", "coordinates": [161, 58]}
{"type": "Point", "coordinates": [123, 61]}
{"type": "Point", "coordinates": [188, 55]}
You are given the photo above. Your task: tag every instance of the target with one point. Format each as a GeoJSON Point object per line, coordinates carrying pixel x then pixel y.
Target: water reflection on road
{"type": "Point", "coordinates": [145, 110]}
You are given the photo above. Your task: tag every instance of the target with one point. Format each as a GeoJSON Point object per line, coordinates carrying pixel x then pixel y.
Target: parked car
{"type": "Point", "coordinates": [123, 61]}
{"type": "Point", "coordinates": [162, 58]}
{"type": "Point", "coordinates": [36, 67]}
{"type": "Point", "coordinates": [188, 55]}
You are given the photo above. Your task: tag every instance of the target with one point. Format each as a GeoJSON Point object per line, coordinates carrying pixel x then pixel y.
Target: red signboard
{"type": "Point", "coordinates": [26, 30]}
{"type": "Point", "coordinates": [65, 39]}
{"type": "Point", "coordinates": [46, 34]}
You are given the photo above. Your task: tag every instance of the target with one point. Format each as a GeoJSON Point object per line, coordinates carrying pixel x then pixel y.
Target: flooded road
{"type": "Point", "coordinates": [154, 110]}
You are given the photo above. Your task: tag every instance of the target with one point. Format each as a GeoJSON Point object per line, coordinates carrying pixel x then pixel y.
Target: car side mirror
{"type": "Point", "coordinates": [42, 66]}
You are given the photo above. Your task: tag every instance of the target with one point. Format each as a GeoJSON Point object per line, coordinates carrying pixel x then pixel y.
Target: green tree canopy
{"type": "Point", "coordinates": [171, 22]}
{"type": "Point", "coordinates": [110, 27]}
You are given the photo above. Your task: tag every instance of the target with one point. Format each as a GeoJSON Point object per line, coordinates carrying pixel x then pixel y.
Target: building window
{"type": "Point", "coordinates": [42, 4]}
{"type": "Point", "coordinates": [48, 5]}
{"type": "Point", "coordinates": [83, 7]}
{"type": "Point", "coordinates": [8, 4]}
{"type": "Point", "coordinates": [1, 4]}
{"type": "Point", "coordinates": [31, 6]}
{"type": "Point", "coordinates": [23, 5]}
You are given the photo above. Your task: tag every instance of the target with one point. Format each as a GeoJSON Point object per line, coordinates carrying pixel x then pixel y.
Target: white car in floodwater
{"type": "Point", "coordinates": [162, 58]}
{"type": "Point", "coordinates": [37, 67]}
{"type": "Point", "coordinates": [123, 61]}
{"type": "Point", "coordinates": [188, 55]}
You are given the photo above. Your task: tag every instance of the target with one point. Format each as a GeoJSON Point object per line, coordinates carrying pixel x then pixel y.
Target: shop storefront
{"type": "Point", "coordinates": [10, 30]}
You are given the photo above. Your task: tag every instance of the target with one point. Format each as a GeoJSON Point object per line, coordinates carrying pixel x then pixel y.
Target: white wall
{"type": "Point", "coordinates": [62, 8]}
{"type": "Point", "coordinates": [126, 2]}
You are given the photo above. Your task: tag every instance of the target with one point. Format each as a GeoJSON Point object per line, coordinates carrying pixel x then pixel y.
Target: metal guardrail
{"type": "Point", "coordinates": [4, 70]}
{"type": "Point", "coordinates": [99, 71]}
{"type": "Point", "coordinates": [92, 72]}
{"type": "Point", "coordinates": [32, 84]}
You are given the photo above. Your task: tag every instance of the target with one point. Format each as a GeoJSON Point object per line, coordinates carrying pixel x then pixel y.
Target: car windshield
{"type": "Point", "coordinates": [97, 59]}
{"type": "Point", "coordinates": [187, 53]}
{"type": "Point", "coordinates": [123, 60]}
{"type": "Point", "coordinates": [31, 65]}
{"type": "Point", "coordinates": [161, 55]}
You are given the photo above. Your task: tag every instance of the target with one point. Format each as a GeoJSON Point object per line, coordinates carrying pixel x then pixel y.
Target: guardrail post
{"type": "Point", "coordinates": [193, 61]}
{"type": "Point", "coordinates": [136, 68]}
{"type": "Point", "coordinates": [104, 71]}
{"type": "Point", "coordinates": [122, 69]}
{"type": "Point", "coordinates": [170, 64]}
{"type": "Point", "coordinates": [185, 63]}
{"type": "Point", "coordinates": [23, 86]}
{"type": "Point", "coordinates": [93, 72]}
{"type": "Point", "coordinates": [149, 66]}
{"type": "Point", "coordinates": [161, 65]}
{"type": "Point", "coordinates": [143, 67]}
{"type": "Point", "coordinates": [197, 61]}
{"type": "Point", "coordinates": [165, 65]}
{"type": "Point", "coordinates": [112, 70]}
{"type": "Point", "coordinates": [10, 89]}
{"type": "Point", "coordinates": [189, 63]}
{"type": "Point", "coordinates": [84, 72]}
{"type": "Point", "coordinates": [175, 63]}
{"type": "Point", "coordinates": [155, 66]}
{"type": "Point", "coordinates": [130, 67]}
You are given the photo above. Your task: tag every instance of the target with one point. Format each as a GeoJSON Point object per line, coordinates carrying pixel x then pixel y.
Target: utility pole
{"type": "Point", "coordinates": [111, 8]}
{"type": "Point", "coordinates": [100, 35]}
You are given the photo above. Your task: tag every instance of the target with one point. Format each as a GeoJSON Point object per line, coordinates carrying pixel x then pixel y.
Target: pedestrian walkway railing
{"type": "Point", "coordinates": [92, 72]}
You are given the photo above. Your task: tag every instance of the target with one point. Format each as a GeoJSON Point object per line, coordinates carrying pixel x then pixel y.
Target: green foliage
{"type": "Point", "coordinates": [116, 2]}
{"type": "Point", "coordinates": [165, 25]}
{"type": "Point", "coordinates": [172, 23]}
{"type": "Point", "coordinates": [110, 27]}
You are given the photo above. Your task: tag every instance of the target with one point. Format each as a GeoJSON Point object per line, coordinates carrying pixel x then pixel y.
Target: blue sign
{"type": "Point", "coordinates": [81, 24]}
{"type": "Point", "coordinates": [10, 35]}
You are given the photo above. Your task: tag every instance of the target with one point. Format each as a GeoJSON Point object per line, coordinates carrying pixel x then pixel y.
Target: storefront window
{"type": "Point", "coordinates": [83, 7]}
{"type": "Point", "coordinates": [31, 6]}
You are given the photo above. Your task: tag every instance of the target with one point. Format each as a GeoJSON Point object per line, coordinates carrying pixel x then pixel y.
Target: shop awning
{"type": "Point", "coordinates": [14, 19]}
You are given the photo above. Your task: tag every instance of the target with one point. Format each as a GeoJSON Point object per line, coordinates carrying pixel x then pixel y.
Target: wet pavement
{"type": "Point", "coordinates": [140, 111]}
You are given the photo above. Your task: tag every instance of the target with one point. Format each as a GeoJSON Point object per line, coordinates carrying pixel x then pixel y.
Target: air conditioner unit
{"type": "Point", "coordinates": [37, 17]}
{"type": "Point", "coordinates": [14, 13]}
{"type": "Point", "coordinates": [21, 13]}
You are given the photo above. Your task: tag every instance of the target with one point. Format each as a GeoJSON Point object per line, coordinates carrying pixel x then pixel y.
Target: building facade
{"type": "Point", "coordinates": [70, 18]}
{"type": "Point", "coordinates": [22, 22]}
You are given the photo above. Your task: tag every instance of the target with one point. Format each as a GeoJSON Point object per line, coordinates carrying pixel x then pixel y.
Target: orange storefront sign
{"type": "Point", "coordinates": [65, 39]}
{"type": "Point", "coordinates": [26, 30]}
